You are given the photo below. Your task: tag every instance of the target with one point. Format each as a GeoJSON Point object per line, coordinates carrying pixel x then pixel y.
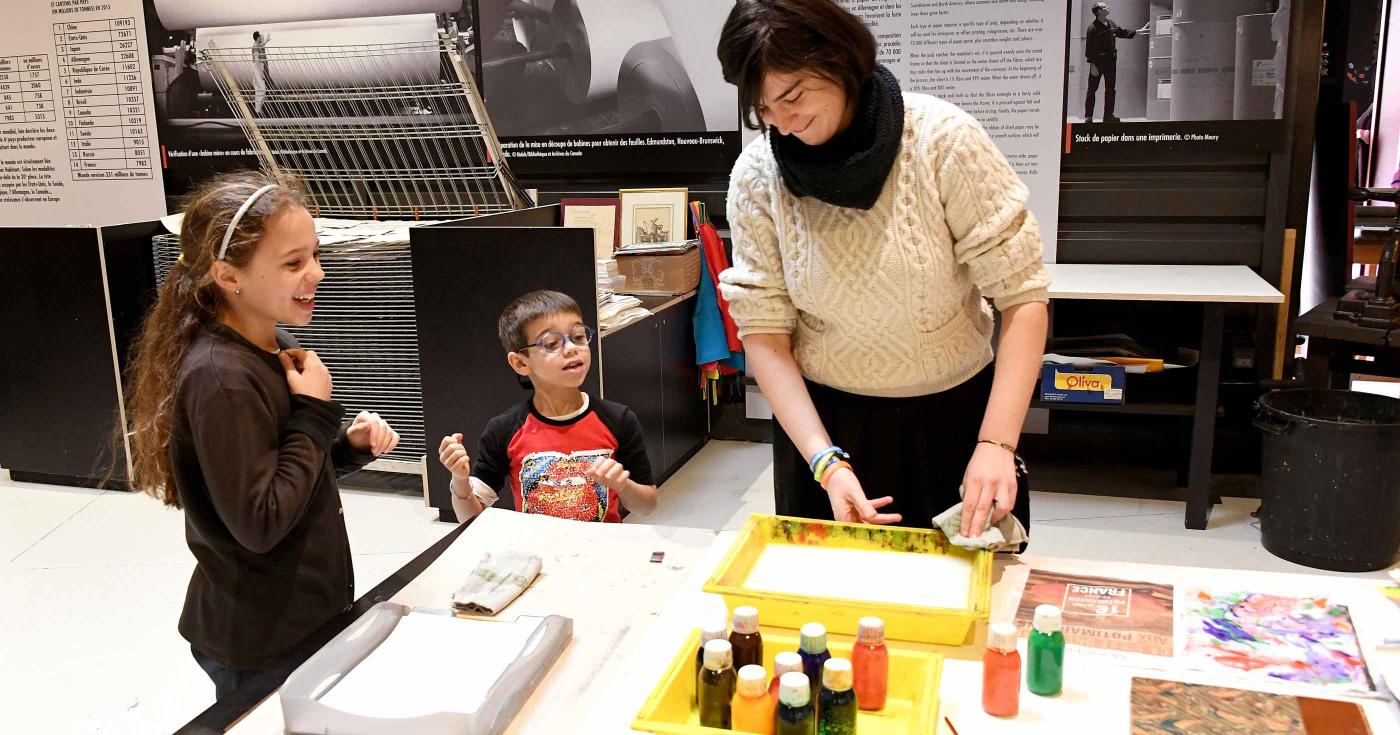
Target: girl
{"type": "Point", "coordinates": [236, 426]}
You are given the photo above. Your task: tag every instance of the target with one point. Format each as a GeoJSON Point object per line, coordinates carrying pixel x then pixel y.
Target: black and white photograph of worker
{"type": "Point", "coordinates": [262, 78]}
{"type": "Point", "coordinates": [1101, 53]}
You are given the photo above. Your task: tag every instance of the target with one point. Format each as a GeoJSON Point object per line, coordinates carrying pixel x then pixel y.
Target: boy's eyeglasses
{"type": "Point", "coordinates": [552, 342]}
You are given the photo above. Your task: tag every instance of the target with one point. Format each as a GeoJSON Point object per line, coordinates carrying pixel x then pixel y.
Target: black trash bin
{"type": "Point", "coordinates": [1331, 478]}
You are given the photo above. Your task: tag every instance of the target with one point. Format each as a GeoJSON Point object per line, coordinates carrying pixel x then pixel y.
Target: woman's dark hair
{"type": "Point", "coordinates": [787, 36]}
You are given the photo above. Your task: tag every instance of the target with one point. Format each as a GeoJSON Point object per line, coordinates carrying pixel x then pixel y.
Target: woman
{"type": "Point", "coordinates": [869, 227]}
{"type": "Point", "coordinates": [237, 427]}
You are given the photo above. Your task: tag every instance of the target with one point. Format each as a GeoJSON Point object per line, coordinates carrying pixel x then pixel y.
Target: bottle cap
{"type": "Point", "coordinates": [871, 631]}
{"type": "Point", "coordinates": [1001, 637]}
{"type": "Point", "coordinates": [785, 662]}
{"type": "Point", "coordinates": [719, 655]}
{"type": "Point", "coordinates": [1047, 618]}
{"type": "Point", "coordinates": [713, 630]}
{"type": "Point", "coordinates": [794, 690]}
{"type": "Point", "coordinates": [745, 620]}
{"type": "Point", "coordinates": [813, 638]}
{"type": "Point", "coordinates": [836, 675]}
{"type": "Point", "coordinates": [753, 681]}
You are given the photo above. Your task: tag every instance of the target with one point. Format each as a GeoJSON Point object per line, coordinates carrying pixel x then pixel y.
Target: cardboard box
{"type": "Point", "coordinates": [672, 273]}
{"type": "Point", "coordinates": [1102, 384]}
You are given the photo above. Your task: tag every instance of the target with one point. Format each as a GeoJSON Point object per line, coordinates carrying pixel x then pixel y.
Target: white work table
{"type": "Point", "coordinates": [1213, 287]}
{"type": "Point", "coordinates": [632, 616]}
{"type": "Point", "coordinates": [1223, 284]}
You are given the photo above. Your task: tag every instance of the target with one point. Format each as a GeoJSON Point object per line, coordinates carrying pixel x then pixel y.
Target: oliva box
{"type": "Point", "coordinates": [1068, 384]}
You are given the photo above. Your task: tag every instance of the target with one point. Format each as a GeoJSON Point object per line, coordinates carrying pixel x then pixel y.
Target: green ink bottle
{"type": "Point", "coordinates": [836, 705]}
{"type": "Point", "coordinates": [1045, 665]}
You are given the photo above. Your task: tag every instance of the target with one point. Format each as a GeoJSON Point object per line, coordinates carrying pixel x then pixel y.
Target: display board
{"type": "Point", "coordinates": [76, 141]}
{"type": "Point", "coordinates": [1185, 75]}
{"type": "Point", "coordinates": [609, 88]}
{"type": "Point", "coordinates": [1002, 62]}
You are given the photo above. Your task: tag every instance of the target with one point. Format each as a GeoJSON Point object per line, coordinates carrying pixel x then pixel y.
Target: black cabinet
{"type": "Point", "coordinates": [649, 366]}
{"type": "Point", "coordinates": [74, 297]}
{"type": "Point", "coordinates": [631, 370]}
{"type": "Point", "coordinates": [686, 419]}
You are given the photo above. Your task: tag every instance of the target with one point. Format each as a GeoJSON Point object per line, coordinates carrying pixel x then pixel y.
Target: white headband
{"type": "Point", "coordinates": [233, 223]}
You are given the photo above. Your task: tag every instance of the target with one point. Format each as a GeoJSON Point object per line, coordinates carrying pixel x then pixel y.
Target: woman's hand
{"type": "Point", "coordinates": [369, 433]}
{"type": "Point", "coordinates": [990, 477]}
{"type": "Point", "coordinates": [849, 504]}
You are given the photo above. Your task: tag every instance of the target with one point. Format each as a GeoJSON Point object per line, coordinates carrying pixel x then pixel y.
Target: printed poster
{"type": "Point", "coordinates": [1110, 614]}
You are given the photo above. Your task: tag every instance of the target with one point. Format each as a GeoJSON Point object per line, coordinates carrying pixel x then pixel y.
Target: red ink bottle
{"type": "Point", "coordinates": [871, 661]}
{"type": "Point", "coordinates": [1001, 672]}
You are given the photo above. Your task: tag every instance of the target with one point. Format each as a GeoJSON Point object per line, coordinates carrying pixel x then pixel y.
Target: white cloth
{"type": "Point", "coordinates": [497, 581]}
{"type": "Point", "coordinates": [889, 301]}
{"type": "Point", "coordinates": [1007, 535]}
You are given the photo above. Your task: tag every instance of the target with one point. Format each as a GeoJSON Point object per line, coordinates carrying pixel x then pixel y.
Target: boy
{"type": "Point", "coordinates": [561, 452]}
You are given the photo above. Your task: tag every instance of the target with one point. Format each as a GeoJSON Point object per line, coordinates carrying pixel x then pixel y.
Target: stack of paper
{"type": "Point", "coordinates": [658, 248]}
{"type": "Point", "coordinates": [619, 311]}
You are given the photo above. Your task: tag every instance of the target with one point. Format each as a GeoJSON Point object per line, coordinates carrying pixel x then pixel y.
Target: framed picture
{"type": "Point", "coordinates": [603, 215]}
{"type": "Point", "coordinates": [653, 216]}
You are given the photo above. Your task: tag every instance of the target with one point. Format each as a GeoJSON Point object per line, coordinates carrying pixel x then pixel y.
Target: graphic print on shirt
{"type": "Point", "coordinates": [556, 484]}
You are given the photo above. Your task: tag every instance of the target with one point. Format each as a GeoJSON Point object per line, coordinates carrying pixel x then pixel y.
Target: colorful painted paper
{"type": "Point", "coordinates": [1298, 640]}
{"type": "Point", "coordinates": [1111, 614]}
{"type": "Point", "coordinates": [1174, 708]}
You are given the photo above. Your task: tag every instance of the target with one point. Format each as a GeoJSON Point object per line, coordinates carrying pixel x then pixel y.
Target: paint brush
{"type": "Point", "coordinates": [949, 723]}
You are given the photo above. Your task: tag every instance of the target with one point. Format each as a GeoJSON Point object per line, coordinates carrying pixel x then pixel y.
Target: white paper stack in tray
{"type": "Point", "coordinates": [397, 671]}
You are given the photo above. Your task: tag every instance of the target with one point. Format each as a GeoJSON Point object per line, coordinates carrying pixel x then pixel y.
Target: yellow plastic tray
{"type": "Point", "coordinates": [948, 626]}
{"type": "Point", "coordinates": [911, 706]}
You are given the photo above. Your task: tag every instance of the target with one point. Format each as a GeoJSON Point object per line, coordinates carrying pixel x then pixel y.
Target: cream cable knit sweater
{"type": "Point", "coordinates": [890, 301]}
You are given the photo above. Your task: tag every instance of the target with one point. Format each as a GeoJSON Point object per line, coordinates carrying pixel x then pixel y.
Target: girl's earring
{"type": "Point", "coordinates": [237, 292]}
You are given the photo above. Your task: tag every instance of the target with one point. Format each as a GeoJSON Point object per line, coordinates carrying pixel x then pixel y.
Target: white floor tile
{"type": "Point", "coordinates": [1048, 506]}
{"type": "Point", "coordinates": [371, 569]}
{"type": "Point", "coordinates": [29, 512]}
{"type": "Point", "coordinates": [95, 650]}
{"type": "Point", "coordinates": [381, 523]}
{"type": "Point", "coordinates": [116, 529]}
{"type": "Point", "coordinates": [713, 487]}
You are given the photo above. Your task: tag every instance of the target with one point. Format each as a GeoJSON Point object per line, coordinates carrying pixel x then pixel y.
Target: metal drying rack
{"type": "Point", "coordinates": [388, 133]}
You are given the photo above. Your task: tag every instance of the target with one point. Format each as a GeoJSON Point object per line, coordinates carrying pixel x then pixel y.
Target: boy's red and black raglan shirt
{"type": "Point", "coordinates": [544, 461]}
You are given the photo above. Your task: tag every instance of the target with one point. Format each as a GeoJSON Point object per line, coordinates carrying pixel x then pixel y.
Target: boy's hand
{"type": "Point", "coordinates": [454, 457]}
{"type": "Point", "coordinates": [609, 473]}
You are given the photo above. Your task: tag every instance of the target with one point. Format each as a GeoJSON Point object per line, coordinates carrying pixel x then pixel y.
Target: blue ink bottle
{"type": "Point", "coordinates": [812, 649]}
{"type": "Point", "coordinates": [796, 715]}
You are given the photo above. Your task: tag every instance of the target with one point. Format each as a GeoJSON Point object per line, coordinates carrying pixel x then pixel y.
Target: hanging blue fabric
{"type": "Point", "coordinates": [710, 343]}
